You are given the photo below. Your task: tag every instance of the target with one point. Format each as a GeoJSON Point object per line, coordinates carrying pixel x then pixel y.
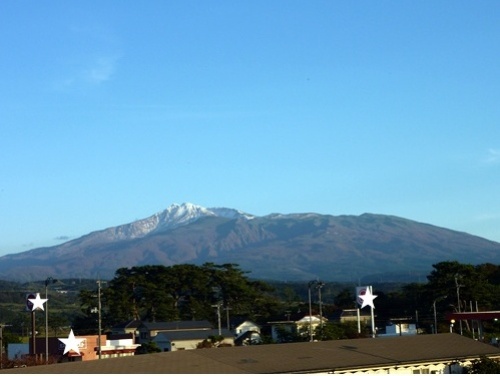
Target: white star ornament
{"type": "Point", "coordinates": [70, 343]}
{"type": "Point", "coordinates": [37, 302]}
{"type": "Point", "coordinates": [368, 299]}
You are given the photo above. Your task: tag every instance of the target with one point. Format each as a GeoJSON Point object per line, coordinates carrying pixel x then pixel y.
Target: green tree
{"type": "Point", "coordinates": [484, 365]}
{"type": "Point", "coordinates": [452, 279]}
{"type": "Point", "coordinates": [345, 299]}
{"type": "Point", "coordinates": [236, 292]}
{"type": "Point", "coordinates": [336, 330]}
{"type": "Point", "coordinates": [184, 292]}
{"type": "Point", "coordinates": [287, 334]}
{"type": "Point", "coordinates": [147, 348]}
{"type": "Point", "coordinates": [190, 288]}
{"type": "Point", "coordinates": [9, 337]}
{"type": "Point", "coordinates": [140, 293]}
{"type": "Point", "coordinates": [56, 322]}
{"type": "Point", "coordinates": [211, 341]}
{"type": "Point", "coordinates": [465, 283]}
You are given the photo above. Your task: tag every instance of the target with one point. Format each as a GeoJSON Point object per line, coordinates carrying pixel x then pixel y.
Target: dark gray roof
{"type": "Point", "coordinates": [176, 325]}
{"type": "Point", "coordinates": [304, 357]}
{"type": "Point", "coordinates": [119, 336]}
{"type": "Point", "coordinates": [194, 334]}
{"type": "Point", "coordinates": [128, 324]}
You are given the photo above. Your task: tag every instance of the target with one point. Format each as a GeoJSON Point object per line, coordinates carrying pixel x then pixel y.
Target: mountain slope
{"type": "Point", "coordinates": [281, 247]}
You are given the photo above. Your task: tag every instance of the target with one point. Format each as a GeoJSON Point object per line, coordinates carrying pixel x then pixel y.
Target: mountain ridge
{"type": "Point", "coordinates": [297, 246]}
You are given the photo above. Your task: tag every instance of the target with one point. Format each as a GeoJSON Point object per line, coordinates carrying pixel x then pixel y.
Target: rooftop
{"type": "Point", "coordinates": [303, 357]}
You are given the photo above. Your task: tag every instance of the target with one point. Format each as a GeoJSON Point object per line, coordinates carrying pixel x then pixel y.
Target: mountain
{"type": "Point", "coordinates": [277, 246]}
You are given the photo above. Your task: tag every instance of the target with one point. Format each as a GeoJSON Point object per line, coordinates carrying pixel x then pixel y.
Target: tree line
{"type": "Point", "coordinates": [178, 292]}
{"type": "Point", "coordinates": [190, 292]}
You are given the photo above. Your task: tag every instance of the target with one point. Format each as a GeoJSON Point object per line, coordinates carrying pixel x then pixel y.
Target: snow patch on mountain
{"type": "Point", "coordinates": [175, 216]}
{"type": "Point", "coordinates": [230, 213]}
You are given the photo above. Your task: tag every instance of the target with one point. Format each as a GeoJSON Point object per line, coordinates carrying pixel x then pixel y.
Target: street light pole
{"type": "Point", "coordinates": [435, 317]}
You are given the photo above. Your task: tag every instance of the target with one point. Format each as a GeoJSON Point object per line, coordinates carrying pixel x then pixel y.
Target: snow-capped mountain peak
{"type": "Point", "coordinates": [174, 216]}
{"type": "Point", "coordinates": [178, 215]}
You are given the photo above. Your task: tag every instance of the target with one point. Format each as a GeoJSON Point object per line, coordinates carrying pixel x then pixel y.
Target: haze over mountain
{"type": "Point", "coordinates": [300, 246]}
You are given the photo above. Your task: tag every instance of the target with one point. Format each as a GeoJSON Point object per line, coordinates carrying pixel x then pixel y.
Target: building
{"type": "Point", "coordinates": [128, 327]}
{"type": "Point", "coordinates": [88, 348]}
{"type": "Point", "coordinates": [246, 333]}
{"type": "Point", "coordinates": [112, 346]}
{"type": "Point", "coordinates": [353, 315]}
{"type": "Point", "coordinates": [17, 350]}
{"type": "Point", "coordinates": [402, 326]}
{"type": "Point", "coordinates": [295, 323]}
{"type": "Point", "coordinates": [476, 320]}
{"type": "Point", "coordinates": [180, 335]}
{"type": "Point", "coordinates": [119, 345]}
{"type": "Point", "coordinates": [431, 353]}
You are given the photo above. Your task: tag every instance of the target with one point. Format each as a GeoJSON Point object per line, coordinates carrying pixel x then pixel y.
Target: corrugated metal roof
{"type": "Point", "coordinates": [200, 334]}
{"type": "Point", "coordinates": [304, 357]}
{"type": "Point", "coordinates": [176, 325]}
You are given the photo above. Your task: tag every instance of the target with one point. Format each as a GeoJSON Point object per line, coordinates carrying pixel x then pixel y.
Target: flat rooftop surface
{"type": "Point", "coordinates": [300, 357]}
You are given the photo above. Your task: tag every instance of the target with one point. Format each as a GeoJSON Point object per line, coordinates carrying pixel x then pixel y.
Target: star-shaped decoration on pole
{"type": "Point", "coordinates": [71, 343]}
{"type": "Point", "coordinates": [368, 298]}
{"type": "Point", "coordinates": [37, 302]}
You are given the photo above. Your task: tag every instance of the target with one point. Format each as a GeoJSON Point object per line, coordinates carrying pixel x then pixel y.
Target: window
{"type": "Point", "coordinates": [419, 371]}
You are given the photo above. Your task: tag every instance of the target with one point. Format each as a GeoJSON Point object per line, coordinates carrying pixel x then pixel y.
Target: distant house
{"type": "Point", "coordinates": [118, 345]}
{"type": "Point", "coordinates": [246, 333]}
{"type": "Point", "coordinates": [399, 327]}
{"type": "Point", "coordinates": [189, 339]}
{"type": "Point", "coordinates": [87, 346]}
{"type": "Point", "coordinates": [128, 327]}
{"type": "Point", "coordinates": [351, 315]}
{"type": "Point", "coordinates": [297, 323]}
{"type": "Point", "coordinates": [180, 335]}
{"type": "Point", "coordinates": [112, 346]}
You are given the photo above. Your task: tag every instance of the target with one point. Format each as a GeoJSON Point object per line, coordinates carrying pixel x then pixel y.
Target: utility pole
{"type": "Point", "coordinates": [228, 324]}
{"type": "Point", "coordinates": [310, 310]}
{"type": "Point", "coordinates": [1, 345]}
{"type": "Point", "coordinates": [99, 317]}
{"type": "Point", "coordinates": [457, 285]}
{"type": "Point", "coordinates": [33, 333]}
{"type": "Point", "coordinates": [47, 282]}
{"type": "Point", "coordinates": [218, 316]}
{"type": "Point", "coordinates": [29, 307]}
{"type": "Point", "coordinates": [320, 286]}
{"type": "Point", "coordinates": [2, 326]}
{"type": "Point", "coordinates": [435, 316]}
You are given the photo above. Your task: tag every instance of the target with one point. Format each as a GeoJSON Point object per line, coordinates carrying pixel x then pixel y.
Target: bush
{"type": "Point", "coordinates": [483, 365]}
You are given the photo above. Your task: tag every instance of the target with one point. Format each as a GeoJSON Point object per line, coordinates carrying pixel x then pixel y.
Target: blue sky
{"type": "Point", "coordinates": [110, 111]}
